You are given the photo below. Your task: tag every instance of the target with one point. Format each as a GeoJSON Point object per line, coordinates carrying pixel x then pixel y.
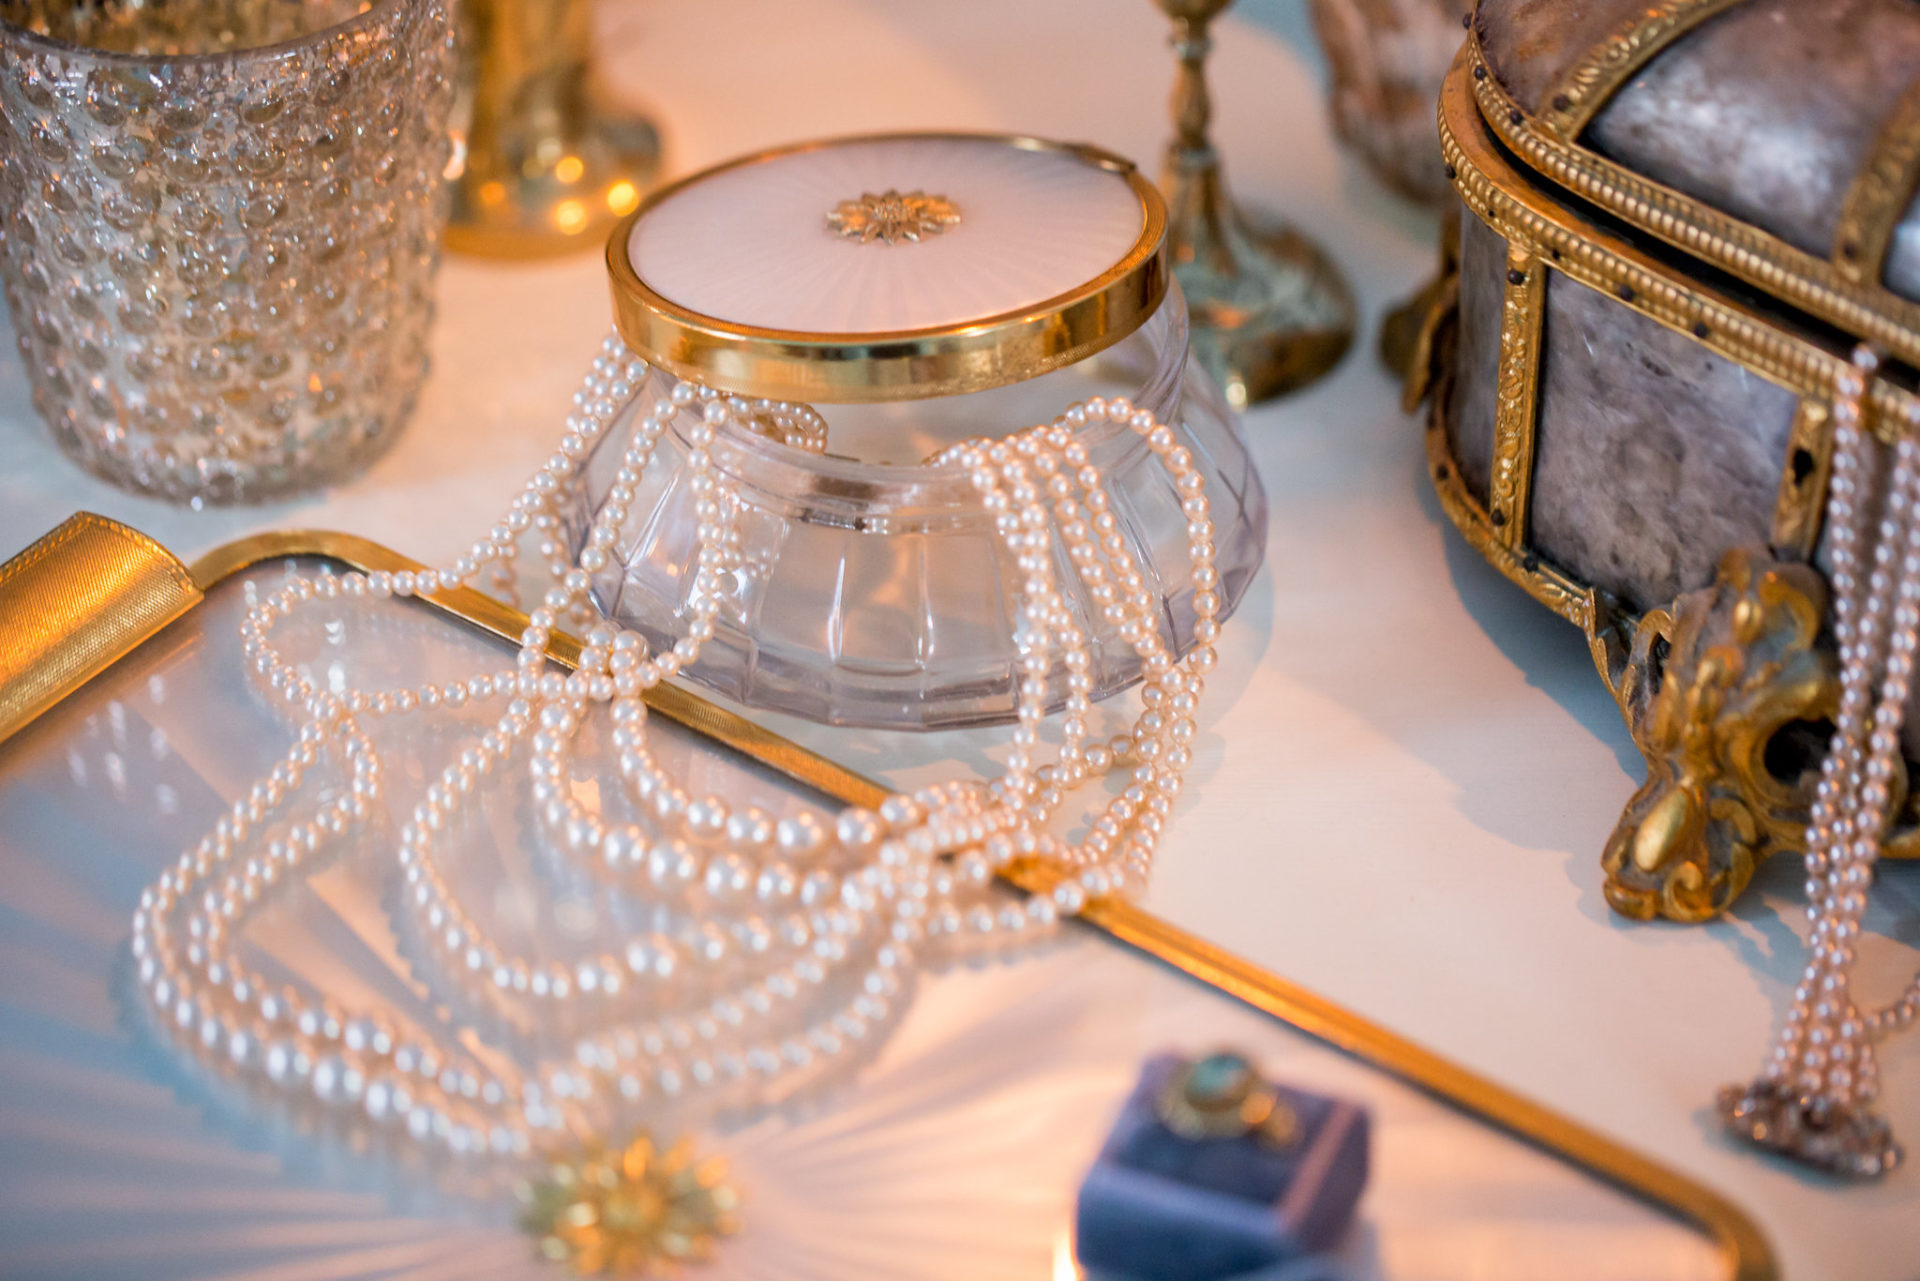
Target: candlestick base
{"type": "Point", "coordinates": [1270, 311]}
{"type": "Point", "coordinates": [543, 191]}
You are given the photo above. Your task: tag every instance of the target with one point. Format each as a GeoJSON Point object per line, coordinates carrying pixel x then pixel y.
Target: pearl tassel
{"type": "Point", "coordinates": [1812, 1098]}
{"type": "Point", "coordinates": [778, 923]}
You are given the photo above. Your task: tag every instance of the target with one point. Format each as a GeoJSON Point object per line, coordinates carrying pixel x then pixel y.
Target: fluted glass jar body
{"type": "Point", "coordinates": [221, 230]}
{"type": "Point", "coordinates": [875, 590]}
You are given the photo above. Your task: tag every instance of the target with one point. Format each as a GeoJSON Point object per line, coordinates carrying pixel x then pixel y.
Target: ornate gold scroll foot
{"type": "Point", "coordinates": [1729, 698]}
{"type": "Point", "coordinates": [1850, 1142]}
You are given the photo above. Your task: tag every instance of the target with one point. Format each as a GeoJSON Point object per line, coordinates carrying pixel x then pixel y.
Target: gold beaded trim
{"type": "Point", "coordinates": [1744, 251]}
{"type": "Point", "coordinates": [1517, 395]}
{"type": "Point", "coordinates": [1602, 260]}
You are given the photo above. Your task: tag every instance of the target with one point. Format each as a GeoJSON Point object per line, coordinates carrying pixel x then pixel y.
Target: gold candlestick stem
{"type": "Point", "coordinates": [550, 165]}
{"type": "Point", "coordinates": [1270, 312]}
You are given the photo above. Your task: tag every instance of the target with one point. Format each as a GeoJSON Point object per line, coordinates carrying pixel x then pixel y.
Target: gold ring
{"type": "Point", "coordinates": [1222, 1096]}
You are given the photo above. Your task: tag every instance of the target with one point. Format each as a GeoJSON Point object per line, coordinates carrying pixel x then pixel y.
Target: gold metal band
{"type": "Point", "coordinates": [909, 364]}
{"type": "Point", "coordinates": [1587, 86]}
{"type": "Point", "coordinates": [1800, 279]}
{"type": "Point", "coordinates": [1517, 395]}
{"type": "Point", "coordinates": [1880, 193]}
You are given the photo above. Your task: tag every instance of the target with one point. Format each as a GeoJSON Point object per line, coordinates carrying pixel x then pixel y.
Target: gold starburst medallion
{"type": "Point", "coordinates": [891, 217]}
{"type": "Point", "coordinates": [630, 1211]}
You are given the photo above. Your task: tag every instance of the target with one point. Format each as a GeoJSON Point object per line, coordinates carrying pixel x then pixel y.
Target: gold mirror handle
{"type": "Point", "coordinates": [75, 602]}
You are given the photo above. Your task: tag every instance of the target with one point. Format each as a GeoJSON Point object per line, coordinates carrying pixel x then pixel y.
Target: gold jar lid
{"type": "Point", "coordinates": [890, 267]}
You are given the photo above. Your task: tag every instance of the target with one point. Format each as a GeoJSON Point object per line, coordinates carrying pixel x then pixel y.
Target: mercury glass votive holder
{"type": "Point", "coordinates": [220, 224]}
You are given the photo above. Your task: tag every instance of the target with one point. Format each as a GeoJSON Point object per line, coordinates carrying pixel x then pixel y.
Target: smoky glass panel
{"type": "Point", "coordinates": [1483, 274]}
{"type": "Point", "coordinates": [876, 592]}
{"type": "Point", "coordinates": [221, 230]}
{"type": "Point", "coordinates": [1653, 454]}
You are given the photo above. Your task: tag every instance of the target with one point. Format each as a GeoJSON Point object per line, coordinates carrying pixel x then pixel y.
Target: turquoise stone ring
{"type": "Point", "coordinates": [1222, 1096]}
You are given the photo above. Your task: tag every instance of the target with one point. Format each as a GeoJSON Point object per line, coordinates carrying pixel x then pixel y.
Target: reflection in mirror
{"type": "Point", "coordinates": [982, 1100]}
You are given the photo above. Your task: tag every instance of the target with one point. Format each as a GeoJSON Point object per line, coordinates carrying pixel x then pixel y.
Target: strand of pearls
{"type": "Point", "coordinates": [790, 940]}
{"type": "Point", "coordinates": [795, 426]}
{"type": "Point", "coordinates": [1812, 1097]}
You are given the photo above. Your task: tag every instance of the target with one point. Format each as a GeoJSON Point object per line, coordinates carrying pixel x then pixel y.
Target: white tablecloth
{"type": "Point", "coordinates": [1408, 768]}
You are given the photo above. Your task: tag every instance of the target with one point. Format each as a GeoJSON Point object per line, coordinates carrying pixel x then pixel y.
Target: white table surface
{"type": "Point", "coordinates": [1408, 769]}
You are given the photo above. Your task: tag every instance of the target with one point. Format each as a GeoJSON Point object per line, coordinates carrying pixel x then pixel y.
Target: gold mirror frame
{"type": "Point", "coordinates": [96, 589]}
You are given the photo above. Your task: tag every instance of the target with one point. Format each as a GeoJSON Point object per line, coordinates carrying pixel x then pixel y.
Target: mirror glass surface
{"type": "Point", "coordinates": [954, 1149]}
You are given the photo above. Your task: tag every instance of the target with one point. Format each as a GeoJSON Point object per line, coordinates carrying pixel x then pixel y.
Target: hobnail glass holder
{"type": "Point", "coordinates": [222, 224]}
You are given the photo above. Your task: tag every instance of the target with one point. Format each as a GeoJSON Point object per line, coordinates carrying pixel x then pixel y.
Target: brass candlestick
{"type": "Point", "coordinates": [550, 165]}
{"type": "Point", "coordinates": [1270, 312]}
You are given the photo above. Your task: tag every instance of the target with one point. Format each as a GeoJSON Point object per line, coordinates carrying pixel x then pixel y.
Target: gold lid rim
{"type": "Point", "coordinates": [910, 364]}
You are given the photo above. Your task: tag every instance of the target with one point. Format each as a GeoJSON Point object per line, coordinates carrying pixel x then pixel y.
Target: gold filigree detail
{"type": "Point", "coordinates": [1880, 194]}
{"type": "Point", "coordinates": [891, 217]}
{"type": "Point", "coordinates": [1585, 88]}
{"type": "Point", "coordinates": [1729, 698]}
{"type": "Point", "coordinates": [630, 1211]}
{"type": "Point", "coordinates": [1579, 605]}
{"type": "Point", "coordinates": [1517, 394]}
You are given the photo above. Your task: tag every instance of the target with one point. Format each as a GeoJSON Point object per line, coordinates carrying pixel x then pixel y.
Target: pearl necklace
{"type": "Point", "coordinates": [792, 938]}
{"type": "Point", "coordinates": [1812, 1099]}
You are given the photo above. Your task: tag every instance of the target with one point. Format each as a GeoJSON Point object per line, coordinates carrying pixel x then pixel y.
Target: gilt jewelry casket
{"type": "Point", "coordinates": [1679, 220]}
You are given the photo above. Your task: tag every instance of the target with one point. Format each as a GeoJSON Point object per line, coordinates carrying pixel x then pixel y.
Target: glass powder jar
{"type": "Point", "coordinates": [889, 297]}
